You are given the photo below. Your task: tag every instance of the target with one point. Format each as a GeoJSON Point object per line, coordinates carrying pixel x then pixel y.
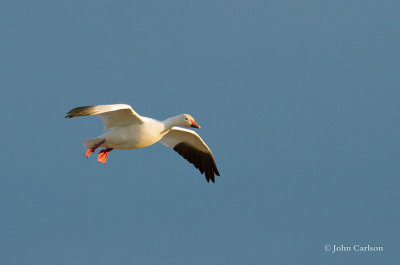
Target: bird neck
{"type": "Point", "coordinates": [171, 122]}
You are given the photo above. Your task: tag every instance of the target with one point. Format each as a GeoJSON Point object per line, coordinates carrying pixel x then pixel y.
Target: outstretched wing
{"type": "Point", "coordinates": [190, 145]}
{"type": "Point", "coordinates": [111, 115]}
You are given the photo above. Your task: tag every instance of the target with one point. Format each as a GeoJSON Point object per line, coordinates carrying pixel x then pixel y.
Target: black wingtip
{"type": "Point", "coordinates": [70, 114]}
{"type": "Point", "coordinates": [203, 161]}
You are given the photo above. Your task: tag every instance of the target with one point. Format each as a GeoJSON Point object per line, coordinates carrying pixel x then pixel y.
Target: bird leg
{"type": "Point", "coordinates": [94, 147]}
{"type": "Point", "coordinates": [103, 155]}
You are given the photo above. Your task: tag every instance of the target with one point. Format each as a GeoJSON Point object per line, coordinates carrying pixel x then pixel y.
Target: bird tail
{"type": "Point", "coordinates": [89, 143]}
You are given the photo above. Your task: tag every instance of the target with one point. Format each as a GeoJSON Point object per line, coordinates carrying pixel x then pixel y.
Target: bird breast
{"type": "Point", "coordinates": [133, 136]}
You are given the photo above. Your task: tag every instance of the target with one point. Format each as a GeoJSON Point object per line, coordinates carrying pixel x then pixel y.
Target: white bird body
{"type": "Point", "coordinates": [134, 136]}
{"type": "Point", "coordinates": [129, 130]}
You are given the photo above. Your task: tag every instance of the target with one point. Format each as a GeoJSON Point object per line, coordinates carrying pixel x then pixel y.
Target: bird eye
{"type": "Point", "coordinates": [186, 118]}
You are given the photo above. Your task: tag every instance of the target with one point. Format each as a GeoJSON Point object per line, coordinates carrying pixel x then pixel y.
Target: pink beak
{"type": "Point", "coordinates": [195, 125]}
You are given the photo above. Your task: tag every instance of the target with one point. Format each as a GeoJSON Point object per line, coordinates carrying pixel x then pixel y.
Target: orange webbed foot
{"type": "Point", "coordinates": [88, 152]}
{"type": "Point", "coordinates": [103, 155]}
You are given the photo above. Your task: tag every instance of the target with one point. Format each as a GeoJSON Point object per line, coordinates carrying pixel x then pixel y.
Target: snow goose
{"type": "Point", "coordinates": [129, 130]}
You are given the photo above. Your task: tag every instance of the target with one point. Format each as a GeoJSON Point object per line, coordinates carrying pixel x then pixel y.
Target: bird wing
{"type": "Point", "coordinates": [111, 115]}
{"type": "Point", "coordinates": [191, 147]}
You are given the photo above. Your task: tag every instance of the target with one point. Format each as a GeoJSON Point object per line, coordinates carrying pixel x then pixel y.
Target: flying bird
{"type": "Point", "coordinates": [129, 130]}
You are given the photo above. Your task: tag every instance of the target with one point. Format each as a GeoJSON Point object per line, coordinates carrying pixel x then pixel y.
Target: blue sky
{"type": "Point", "coordinates": [298, 100]}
